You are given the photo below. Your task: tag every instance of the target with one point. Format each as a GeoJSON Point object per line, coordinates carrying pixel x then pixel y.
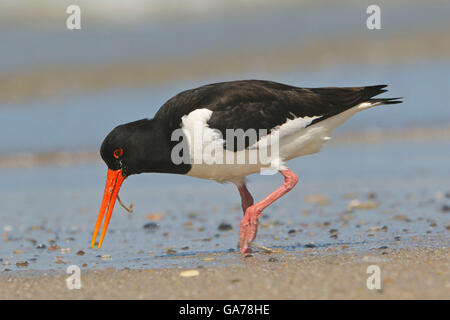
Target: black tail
{"type": "Point", "coordinates": [373, 91]}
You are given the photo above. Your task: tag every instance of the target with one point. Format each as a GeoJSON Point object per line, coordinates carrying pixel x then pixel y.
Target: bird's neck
{"type": "Point", "coordinates": [158, 136]}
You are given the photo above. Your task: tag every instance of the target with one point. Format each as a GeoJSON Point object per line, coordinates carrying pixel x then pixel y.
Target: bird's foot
{"type": "Point", "coordinates": [248, 230]}
{"type": "Point", "coordinates": [246, 251]}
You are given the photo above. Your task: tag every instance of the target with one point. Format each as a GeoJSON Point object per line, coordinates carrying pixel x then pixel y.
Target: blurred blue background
{"type": "Point", "coordinates": [65, 89]}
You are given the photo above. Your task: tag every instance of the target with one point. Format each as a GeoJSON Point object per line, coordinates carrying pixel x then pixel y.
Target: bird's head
{"type": "Point", "coordinates": [126, 150]}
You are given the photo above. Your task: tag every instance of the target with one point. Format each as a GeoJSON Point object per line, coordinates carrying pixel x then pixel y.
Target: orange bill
{"type": "Point", "coordinates": [113, 182]}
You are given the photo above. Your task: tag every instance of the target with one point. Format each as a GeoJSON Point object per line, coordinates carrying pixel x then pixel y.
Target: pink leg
{"type": "Point", "coordinates": [249, 224]}
{"type": "Point", "coordinates": [246, 197]}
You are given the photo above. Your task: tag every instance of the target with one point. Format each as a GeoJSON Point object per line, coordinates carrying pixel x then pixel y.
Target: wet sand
{"type": "Point", "coordinates": [308, 274]}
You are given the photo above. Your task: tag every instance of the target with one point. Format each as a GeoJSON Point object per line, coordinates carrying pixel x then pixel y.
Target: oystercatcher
{"type": "Point", "coordinates": [190, 135]}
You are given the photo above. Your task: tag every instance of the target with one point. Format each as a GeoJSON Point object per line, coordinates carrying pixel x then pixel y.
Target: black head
{"type": "Point", "coordinates": [126, 150]}
{"type": "Point", "coordinates": [140, 146]}
{"type": "Point", "coordinates": [131, 147]}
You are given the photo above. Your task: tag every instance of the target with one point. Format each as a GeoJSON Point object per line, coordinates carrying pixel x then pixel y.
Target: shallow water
{"type": "Point", "coordinates": [408, 180]}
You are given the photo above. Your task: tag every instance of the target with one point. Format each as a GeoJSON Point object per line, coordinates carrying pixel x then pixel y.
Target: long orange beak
{"type": "Point", "coordinates": [113, 182]}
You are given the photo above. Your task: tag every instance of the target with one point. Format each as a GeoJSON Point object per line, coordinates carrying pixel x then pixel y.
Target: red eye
{"type": "Point", "coordinates": [118, 153]}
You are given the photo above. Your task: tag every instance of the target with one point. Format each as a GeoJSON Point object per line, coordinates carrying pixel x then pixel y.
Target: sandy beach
{"type": "Point", "coordinates": [324, 235]}
{"type": "Point", "coordinates": [405, 274]}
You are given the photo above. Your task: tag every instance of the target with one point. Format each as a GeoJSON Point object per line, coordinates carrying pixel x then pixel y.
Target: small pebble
{"type": "Point", "coordinates": [317, 199]}
{"type": "Point", "coordinates": [22, 264]}
{"type": "Point", "coordinates": [192, 215]}
{"type": "Point", "coordinates": [154, 216]}
{"type": "Point", "coordinates": [375, 229]}
{"type": "Point", "coordinates": [273, 260]}
{"type": "Point", "coordinates": [171, 251]}
{"type": "Point", "coordinates": [80, 253]}
{"type": "Point", "coordinates": [189, 273]}
{"type": "Point", "coordinates": [106, 257]}
{"type": "Point", "coordinates": [151, 226]}
{"type": "Point", "coordinates": [209, 259]}
{"type": "Point", "coordinates": [356, 204]}
{"type": "Point", "coordinates": [224, 227]}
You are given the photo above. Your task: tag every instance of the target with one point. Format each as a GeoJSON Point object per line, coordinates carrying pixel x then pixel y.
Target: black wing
{"type": "Point", "coordinates": [262, 104]}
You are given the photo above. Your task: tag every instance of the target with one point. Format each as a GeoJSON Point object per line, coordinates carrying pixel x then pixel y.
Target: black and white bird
{"type": "Point", "coordinates": [190, 135]}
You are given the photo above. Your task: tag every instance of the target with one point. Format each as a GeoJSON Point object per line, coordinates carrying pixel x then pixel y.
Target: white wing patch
{"type": "Point", "coordinates": [199, 115]}
{"type": "Point", "coordinates": [198, 120]}
{"type": "Point", "coordinates": [199, 134]}
{"type": "Point", "coordinates": [290, 127]}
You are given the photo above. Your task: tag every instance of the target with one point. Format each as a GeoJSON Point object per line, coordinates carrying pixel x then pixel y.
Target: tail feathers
{"type": "Point", "coordinates": [385, 101]}
{"type": "Point", "coordinates": [372, 91]}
